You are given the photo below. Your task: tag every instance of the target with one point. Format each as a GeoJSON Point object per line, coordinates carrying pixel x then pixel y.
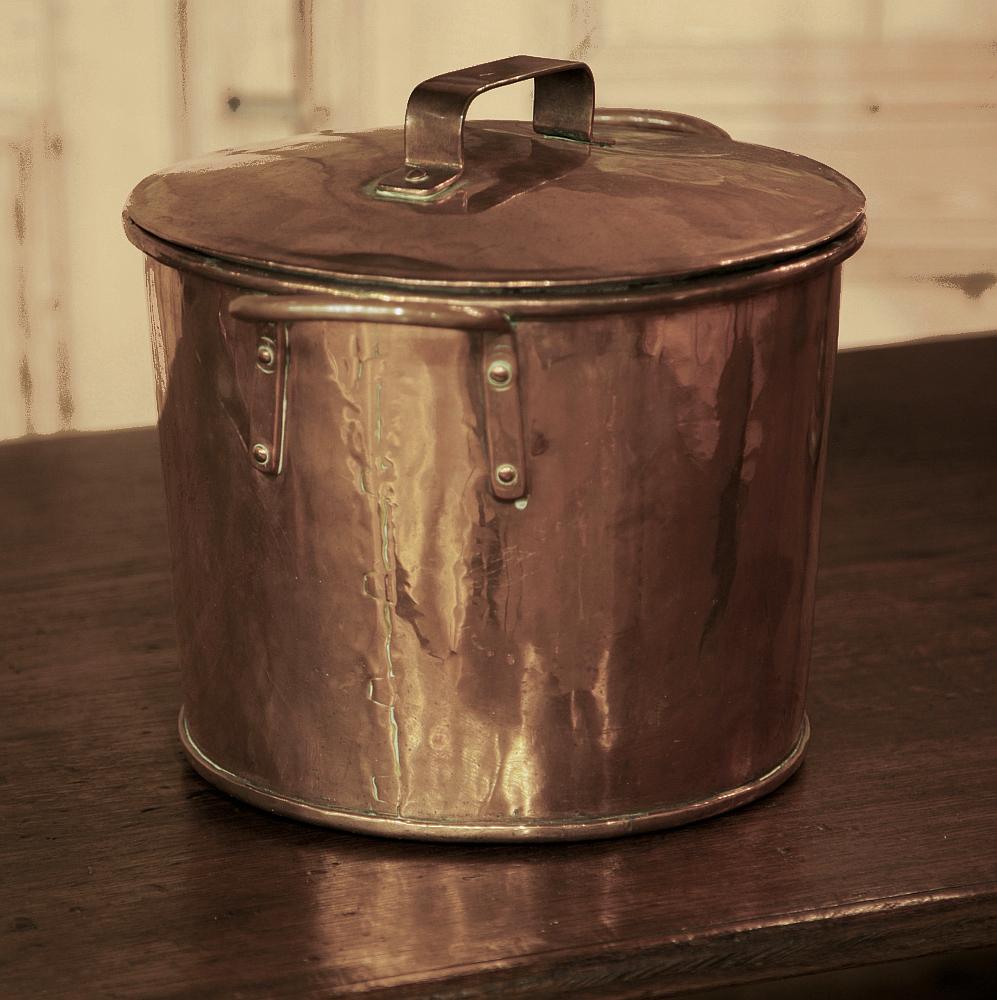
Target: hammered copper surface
{"type": "Point", "coordinates": [372, 632]}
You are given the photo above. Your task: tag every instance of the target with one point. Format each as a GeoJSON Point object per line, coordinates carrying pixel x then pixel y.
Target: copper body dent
{"type": "Point", "coordinates": [494, 502]}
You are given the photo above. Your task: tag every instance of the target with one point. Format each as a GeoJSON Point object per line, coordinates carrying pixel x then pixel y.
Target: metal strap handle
{"type": "Point", "coordinates": [563, 105]}
{"type": "Point", "coordinates": [499, 368]}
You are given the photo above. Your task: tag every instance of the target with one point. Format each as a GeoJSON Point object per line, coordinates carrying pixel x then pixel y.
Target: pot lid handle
{"type": "Point", "coordinates": [563, 105]}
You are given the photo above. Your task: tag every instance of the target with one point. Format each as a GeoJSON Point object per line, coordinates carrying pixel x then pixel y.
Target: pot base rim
{"type": "Point", "coordinates": [582, 828]}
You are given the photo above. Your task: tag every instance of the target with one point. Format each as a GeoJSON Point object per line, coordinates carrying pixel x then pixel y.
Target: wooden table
{"type": "Point", "coordinates": [122, 874]}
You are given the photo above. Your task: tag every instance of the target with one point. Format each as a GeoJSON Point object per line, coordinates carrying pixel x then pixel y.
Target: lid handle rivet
{"type": "Point", "coordinates": [500, 373]}
{"type": "Point", "coordinates": [506, 474]}
{"type": "Point", "coordinates": [261, 454]}
{"type": "Point", "coordinates": [416, 175]}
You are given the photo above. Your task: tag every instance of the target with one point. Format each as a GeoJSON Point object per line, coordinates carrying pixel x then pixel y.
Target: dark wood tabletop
{"type": "Point", "coordinates": [122, 874]}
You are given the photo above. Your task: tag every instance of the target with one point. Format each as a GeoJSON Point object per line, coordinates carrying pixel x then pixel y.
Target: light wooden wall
{"type": "Point", "coordinates": [899, 94]}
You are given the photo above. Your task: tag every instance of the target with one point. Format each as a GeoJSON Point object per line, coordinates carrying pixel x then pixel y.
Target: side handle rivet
{"type": "Point", "coordinates": [265, 355]}
{"type": "Point", "coordinates": [506, 474]}
{"type": "Point", "coordinates": [500, 374]}
{"type": "Point", "coordinates": [261, 454]}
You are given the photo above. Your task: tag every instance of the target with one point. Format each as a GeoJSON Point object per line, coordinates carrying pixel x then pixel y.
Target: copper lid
{"type": "Point", "coordinates": [638, 197]}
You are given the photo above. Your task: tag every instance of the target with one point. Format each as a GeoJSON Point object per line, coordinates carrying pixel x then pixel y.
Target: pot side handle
{"type": "Point", "coordinates": [658, 121]}
{"type": "Point", "coordinates": [563, 106]}
{"type": "Point", "coordinates": [302, 308]}
{"type": "Point", "coordinates": [500, 374]}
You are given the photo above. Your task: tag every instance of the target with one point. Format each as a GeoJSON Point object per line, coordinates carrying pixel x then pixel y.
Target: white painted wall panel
{"type": "Point", "coordinates": [94, 94]}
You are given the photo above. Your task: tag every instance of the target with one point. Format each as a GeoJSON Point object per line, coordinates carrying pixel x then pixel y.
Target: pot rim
{"type": "Point", "coordinates": [558, 301]}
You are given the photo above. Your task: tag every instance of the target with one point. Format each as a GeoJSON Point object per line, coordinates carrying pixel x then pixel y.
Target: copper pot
{"type": "Point", "coordinates": [493, 458]}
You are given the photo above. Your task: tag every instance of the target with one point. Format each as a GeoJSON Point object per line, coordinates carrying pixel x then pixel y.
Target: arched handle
{"type": "Point", "coordinates": [659, 121]}
{"type": "Point", "coordinates": [304, 308]}
{"type": "Point", "coordinates": [500, 376]}
{"type": "Point", "coordinates": [563, 105]}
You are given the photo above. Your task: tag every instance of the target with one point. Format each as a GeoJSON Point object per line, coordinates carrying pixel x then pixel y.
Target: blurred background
{"type": "Point", "coordinates": [901, 95]}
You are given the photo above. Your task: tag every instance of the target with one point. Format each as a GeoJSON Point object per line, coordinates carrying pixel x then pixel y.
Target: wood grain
{"type": "Point", "coordinates": [122, 874]}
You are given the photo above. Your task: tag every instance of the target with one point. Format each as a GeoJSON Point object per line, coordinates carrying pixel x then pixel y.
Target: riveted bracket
{"type": "Point", "coordinates": [503, 417]}
{"type": "Point", "coordinates": [268, 399]}
{"type": "Point", "coordinates": [500, 374]}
